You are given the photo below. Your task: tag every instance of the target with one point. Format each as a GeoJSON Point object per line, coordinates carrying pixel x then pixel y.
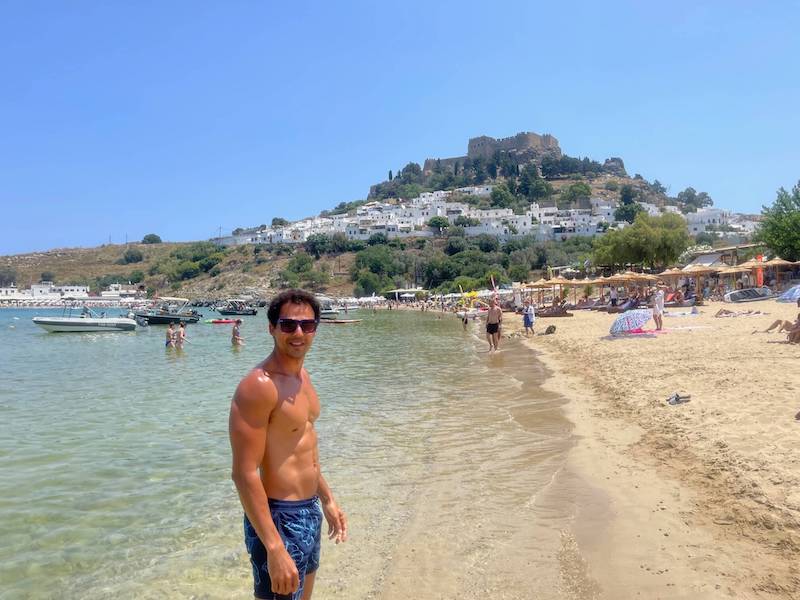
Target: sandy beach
{"type": "Point", "coordinates": [697, 500]}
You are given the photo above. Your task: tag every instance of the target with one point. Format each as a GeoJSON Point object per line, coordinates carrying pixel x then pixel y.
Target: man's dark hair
{"type": "Point", "coordinates": [294, 296]}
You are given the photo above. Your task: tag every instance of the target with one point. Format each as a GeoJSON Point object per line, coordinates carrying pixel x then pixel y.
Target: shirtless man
{"type": "Point", "coordinates": [276, 459]}
{"type": "Point", "coordinates": [494, 319]}
{"type": "Point", "coordinates": [171, 336]}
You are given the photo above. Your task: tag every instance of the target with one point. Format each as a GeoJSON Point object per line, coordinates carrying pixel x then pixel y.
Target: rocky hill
{"type": "Point", "coordinates": [165, 268]}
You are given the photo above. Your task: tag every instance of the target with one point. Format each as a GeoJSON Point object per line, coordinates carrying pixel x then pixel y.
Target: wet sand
{"type": "Point", "coordinates": [698, 500]}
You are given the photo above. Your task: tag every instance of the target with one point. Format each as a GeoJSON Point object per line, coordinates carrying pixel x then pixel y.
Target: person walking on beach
{"type": "Point", "coordinates": [276, 458]}
{"type": "Point", "coordinates": [180, 336]}
{"type": "Point", "coordinates": [658, 308]}
{"type": "Point", "coordinates": [614, 297]}
{"type": "Point", "coordinates": [171, 336]}
{"type": "Point", "coordinates": [236, 338]}
{"type": "Point", "coordinates": [528, 317]}
{"type": "Point", "coordinates": [494, 319]}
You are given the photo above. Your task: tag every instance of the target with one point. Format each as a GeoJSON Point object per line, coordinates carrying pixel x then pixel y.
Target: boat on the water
{"type": "Point", "coordinates": [749, 295]}
{"type": "Point", "coordinates": [327, 308]}
{"type": "Point", "coordinates": [166, 310]}
{"type": "Point", "coordinates": [86, 322]}
{"type": "Point", "coordinates": [237, 307]}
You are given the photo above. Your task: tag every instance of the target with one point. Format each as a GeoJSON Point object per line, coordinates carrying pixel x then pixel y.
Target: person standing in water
{"type": "Point", "coordinates": [494, 320]}
{"type": "Point", "coordinates": [171, 336]}
{"type": "Point", "coordinates": [276, 465]}
{"type": "Point", "coordinates": [236, 338]}
{"type": "Point", "coordinates": [181, 335]}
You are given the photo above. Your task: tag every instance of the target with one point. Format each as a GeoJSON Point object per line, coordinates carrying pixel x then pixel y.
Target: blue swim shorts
{"type": "Point", "coordinates": [299, 523]}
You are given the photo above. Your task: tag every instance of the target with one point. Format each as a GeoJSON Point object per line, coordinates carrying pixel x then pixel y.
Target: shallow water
{"type": "Point", "coordinates": [114, 462]}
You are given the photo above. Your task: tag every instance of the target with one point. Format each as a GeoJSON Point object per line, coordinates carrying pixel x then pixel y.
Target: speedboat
{"type": "Point", "coordinates": [236, 307]}
{"type": "Point", "coordinates": [166, 310]}
{"type": "Point", "coordinates": [327, 309]}
{"type": "Point", "coordinates": [87, 321]}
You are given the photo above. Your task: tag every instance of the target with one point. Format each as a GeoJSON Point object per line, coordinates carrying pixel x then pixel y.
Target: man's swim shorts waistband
{"type": "Point", "coordinates": [290, 505]}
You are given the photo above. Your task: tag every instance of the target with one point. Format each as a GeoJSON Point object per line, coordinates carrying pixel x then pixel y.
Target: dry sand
{"type": "Point", "coordinates": [699, 500]}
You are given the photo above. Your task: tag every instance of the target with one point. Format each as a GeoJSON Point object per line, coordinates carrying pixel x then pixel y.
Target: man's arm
{"type": "Point", "coordinates": [337, 521]}
{"type": "Point", "coordinates": [254, 400]}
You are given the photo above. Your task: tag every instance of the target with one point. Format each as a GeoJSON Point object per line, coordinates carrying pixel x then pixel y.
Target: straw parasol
{"type": "Point", "coordinates": [539, 284]}
{"type": "Point", "coordinates": [673, 272]}
{"type": "Point", "coordinates": [778, 263]}
{"type": "Point", "coordinates": [752, 264]}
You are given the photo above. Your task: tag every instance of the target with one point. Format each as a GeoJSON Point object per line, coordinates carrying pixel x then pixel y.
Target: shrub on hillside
{"type": "Point", "coordinates": [132, 255]}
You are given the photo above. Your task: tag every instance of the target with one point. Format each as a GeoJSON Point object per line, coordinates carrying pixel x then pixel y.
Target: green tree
{"type": "Point", "coordinates": [367, 283]}
{"type": "Point", "coordinates": [438, 224]}
{"type": "Point", "coordinates": [279, 222]}
{"type": "Point", "coordinates": [455, 245]}
{"type": "Point", "coordinates": [628, 212]}
{"type": "Point", "coordinates": [151, 238]}
{"type": "Point", "coordinates": [7, 276]}
{"type": "Point", "coordinates": [518, 273]}
{"type": "Point", "coordinates": [48, 276]}
{"type": "Point", "coordinates": [315, 279]}
{"type": "Point", "coordinates": [487, 243]}
{"type": "Point", "coordinates": [132, 255]}
{"type": "Point", "coordinates": [317, 244]}
{"type": "Point", "coordinates": [780, 224]}
{"type": "Point", "coordinates": [501, 196]}
{"type": "Point", "coordinates": [300, 263]}
{"type": "Point", "coordinates": [390, 175]}
{"type": "Point", "coordinates": [462, 221]}
{"type": "Point", "coordinates": [575, 192]}
{"type": "Point", "coordinates": [136, 277]}
{"type": "Point", "coordinates": [540, 189]}
{"type": "Point", "coordinates": [653, 241]}
{"type": "Point", "coordinates": [377, 239]}
{"type": "Point", "coordinates": [628, 205]}
{"type": "Point", "coordinates": [692, 200]}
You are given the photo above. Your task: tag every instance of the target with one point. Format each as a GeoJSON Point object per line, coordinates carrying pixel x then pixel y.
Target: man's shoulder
{"type": "Point", "coordinates": [256, 387]}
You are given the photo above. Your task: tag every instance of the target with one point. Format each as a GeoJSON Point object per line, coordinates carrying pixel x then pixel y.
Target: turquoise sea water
{"type": "Point", "coordinates": [114, 456]}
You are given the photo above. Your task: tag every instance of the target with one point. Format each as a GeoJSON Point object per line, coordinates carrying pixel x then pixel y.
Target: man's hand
{"type": "Point", "coordinates": [337, 522]}
{"type": "Point", "coordinates": [282, 572]}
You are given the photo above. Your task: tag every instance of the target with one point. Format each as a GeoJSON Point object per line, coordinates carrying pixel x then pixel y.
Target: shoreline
{"type": "Point", "coordinates": [687, 511]}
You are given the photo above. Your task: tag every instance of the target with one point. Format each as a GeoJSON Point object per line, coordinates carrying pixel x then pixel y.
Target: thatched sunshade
{"type": "Point", "coordinates": [674, 272]}
{"type": "Point", "coordinates": [539, 284]}
{"type": "Point", "coordinates": [752, 264]}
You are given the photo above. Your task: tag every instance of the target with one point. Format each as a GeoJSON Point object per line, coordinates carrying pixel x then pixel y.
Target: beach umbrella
{"type": "Point", "coordinates": [630, 320]}
{"type": "Point", "coordinates": [777, 263]}
{"type": "Point", "coordinates": [790, 295]}
{"type": "Point", "coordinates": [752, 264]}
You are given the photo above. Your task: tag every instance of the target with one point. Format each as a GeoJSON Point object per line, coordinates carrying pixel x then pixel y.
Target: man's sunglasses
{"type": "Point", "coordinates": [290, 325]}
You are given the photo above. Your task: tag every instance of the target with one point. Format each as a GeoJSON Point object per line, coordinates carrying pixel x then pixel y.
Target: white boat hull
{"type": "Point", "coordinates": [84, 325]}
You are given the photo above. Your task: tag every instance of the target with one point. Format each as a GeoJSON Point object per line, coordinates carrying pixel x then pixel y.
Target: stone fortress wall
{"type": "Point", "coordinates": [525, 146]}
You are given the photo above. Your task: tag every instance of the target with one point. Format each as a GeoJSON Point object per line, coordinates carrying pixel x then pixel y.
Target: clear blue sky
{"type": "Point", "coordinates": [178, 117]}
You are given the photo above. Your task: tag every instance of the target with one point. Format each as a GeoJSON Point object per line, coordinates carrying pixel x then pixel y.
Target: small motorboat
{"type": "Point", "coordinates": [237, 307]}
{"type": "Point", "coordinates": [327, 308]}
{"type": "Point", "coordinates": [166, 310]}
{"type": "Point", "coordinates": [86, 322]}
{"type": "Point", "coordinates": [221, 321]}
